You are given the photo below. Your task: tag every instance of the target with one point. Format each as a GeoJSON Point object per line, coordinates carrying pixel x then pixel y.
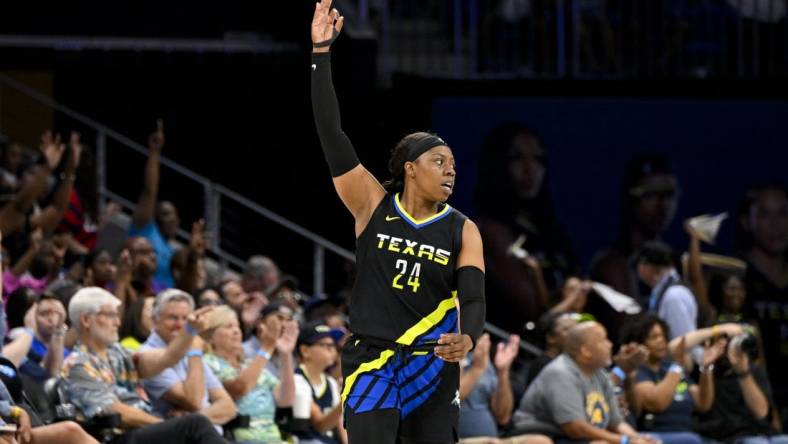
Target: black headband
{"type": "Point", "coordinates": [422, 146]}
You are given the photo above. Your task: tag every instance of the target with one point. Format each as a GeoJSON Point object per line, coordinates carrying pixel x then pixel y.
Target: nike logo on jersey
{"type": "Point", "coordinates": [390, 218]}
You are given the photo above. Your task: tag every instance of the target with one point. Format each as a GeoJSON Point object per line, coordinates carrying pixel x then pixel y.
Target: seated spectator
{"type": "Point", "coordinates": [137, 323]}
{"type": "Point", "coordinates": [573, 398]}
{"type": "Point", "coordinates": [158, 223]}
{"type": "Point", "coordinates": [666, 396]}
{"type": "Point", "coordinates": [188, 385]}
{"type": "Point", "coordinates": [286, 292]}
{"type": "Point", "coordinates": [273, 318]}
{"type": "Point", "coordinates": [740, 413]}
{"type": "Point", "coordinates": [247, 305]}
{"type": "Point", "coordinates": [554, 327]}
{"type": "Point", "coordinates": [100, 271]}
{"type": "Point", "coordinates": [39, 266]}
{"type": "Point", "coordinates": [135, 277]}
{"type": "Point", "coordinates": [102, 377]}
{"type": "Point", "coordinates": [208, 296]}
{"type": "Point", "coordinates": [187, 264]}
{"type": "Point", "coordinates": [256, 391]}
{"type": "Point", "coordinates": [67, 432]}
{"type": "Point", "coordinates": [47, 326]}
{"type": "Point", "coordinates": [317, 408]}
{"type": "Point", "coordinates": [261, 272]}
{"type": "Point", "coordinates": [485, 394]}
{"type": "Point", "coordinates": [670, 299]}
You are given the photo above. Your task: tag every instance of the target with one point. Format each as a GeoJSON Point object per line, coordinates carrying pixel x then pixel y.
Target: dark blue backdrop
{"type": "Point", "coordinates": [715, 147]}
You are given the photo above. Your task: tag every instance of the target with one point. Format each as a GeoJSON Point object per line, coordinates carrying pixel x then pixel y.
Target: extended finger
{"type": "Point", "coordinates": [340, 23]}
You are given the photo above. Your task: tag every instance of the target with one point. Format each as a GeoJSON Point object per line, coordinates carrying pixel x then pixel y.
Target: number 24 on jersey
{"type": "Point", "coordinates": [413, 277]}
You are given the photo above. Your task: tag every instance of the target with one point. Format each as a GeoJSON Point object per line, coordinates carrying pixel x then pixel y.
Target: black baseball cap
{"type": "Point", "coordinates": [313, 332]}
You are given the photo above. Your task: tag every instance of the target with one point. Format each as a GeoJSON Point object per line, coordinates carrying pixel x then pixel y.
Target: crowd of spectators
{"type": "Point", "coordinates": [151, 337]}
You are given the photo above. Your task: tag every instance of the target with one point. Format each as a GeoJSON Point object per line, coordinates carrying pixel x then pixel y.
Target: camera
{"type": "Point", "coordinates": [745, 343]}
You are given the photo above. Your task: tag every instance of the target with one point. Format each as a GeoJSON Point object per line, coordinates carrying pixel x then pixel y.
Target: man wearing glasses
{"type": "Point", "coordinates": [102, 377]}
{"type": "Point", "coordinates": [188, 386]}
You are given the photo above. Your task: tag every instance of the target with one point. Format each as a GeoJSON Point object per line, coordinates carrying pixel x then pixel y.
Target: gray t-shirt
{"type": "Point", "coordinates": [476, 419]}
{"type": "Point", "coordinates": [561, 394]}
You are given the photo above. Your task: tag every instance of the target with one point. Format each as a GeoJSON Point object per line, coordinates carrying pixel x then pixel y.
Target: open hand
{"type": "Point", "coordinates": [506, 353]}
{"type": "Point", "coordinates": [324, 22]}
{"type": "Point", "coordinates": [630, 357]}
{"type": "Point", "coordinates": [198, 319]}
{"type": "Point", "coordinates": [51, 148]}
{"type": "Point", "coordinates": [286, 342]}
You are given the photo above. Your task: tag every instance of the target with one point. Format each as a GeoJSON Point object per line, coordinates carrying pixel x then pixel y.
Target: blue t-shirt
{"type": "Point", "coordinates": [31, 365]}
{"type": "Point", "coordinates": [164, 252]}
{"type": "Point", "coordinates": [158, 386]}
{"type": "Point", "coordinates": [678, 416]}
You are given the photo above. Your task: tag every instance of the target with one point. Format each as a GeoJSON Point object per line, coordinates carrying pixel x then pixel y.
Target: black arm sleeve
{"type": "Point", "coordinates": [337, 148]}
{"type": "Point", "coordinates": [470, 291]}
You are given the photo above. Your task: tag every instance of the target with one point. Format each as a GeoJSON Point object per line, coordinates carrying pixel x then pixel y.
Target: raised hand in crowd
{"type": "Point", "coordinates": [51, 149]}
{"type": "Point", "coordinates": [186, 264]}
{"type": "Point", "coordinates": [631, 357]}
{"type": "Point", "coordinates": [124, 275]}
{"type": "Point", "coordinates": [506, 353]}
{"type": "Point", "coordinates": [156, 138]}
{"type": "Point", "coordinates": [714, 350]}
{"type": "Point", "coordinates": [286, 342]}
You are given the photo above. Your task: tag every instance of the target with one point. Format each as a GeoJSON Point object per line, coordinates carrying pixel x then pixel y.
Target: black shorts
{"type": "Point", "coordinates": [393, 394]}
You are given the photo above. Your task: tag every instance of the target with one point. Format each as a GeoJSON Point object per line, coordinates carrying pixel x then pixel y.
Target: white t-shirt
{"type": "Point", "coordinates": [302, 403]}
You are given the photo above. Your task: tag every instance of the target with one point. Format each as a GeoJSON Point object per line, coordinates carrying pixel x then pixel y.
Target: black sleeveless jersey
{"type": "Point", "coordinates": [405, 285]}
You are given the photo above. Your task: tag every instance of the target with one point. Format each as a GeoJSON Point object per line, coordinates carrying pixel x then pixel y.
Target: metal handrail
{"type": "Point", "coordinates": [81, 43]}
{"type": "Point", "coordinates": [213, 191]}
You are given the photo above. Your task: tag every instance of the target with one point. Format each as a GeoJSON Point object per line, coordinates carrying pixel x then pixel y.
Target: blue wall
{"type": "Point", "coordinates": [716, 149]}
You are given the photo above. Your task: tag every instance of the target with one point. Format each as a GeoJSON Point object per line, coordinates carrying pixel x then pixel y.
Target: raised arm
{"type": "Point", "coordinates": [694, 272]}
{"type": "Point", "coordinates": [12, 215]}
{"type": "Point", "coordinates": [152, 362]}
{"type": "Point", "coordinates": [188, 281]}
{"type": "Point", "coordinates": [701, 335]}
{"type": "Point", "coordinates": [50, 217]}
{"type": "Point", "coordinates": [146, 205]}
{"type": "Point", "coordinates": [502, 399]}
{"type": "Point", "coordinates": [357, 188]}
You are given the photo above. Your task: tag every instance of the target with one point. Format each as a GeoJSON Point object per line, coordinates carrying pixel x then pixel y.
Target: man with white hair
{"type": "Point", "coordinates": [102, 377]}
{"type": "Point", "coordinates": [188, 385]}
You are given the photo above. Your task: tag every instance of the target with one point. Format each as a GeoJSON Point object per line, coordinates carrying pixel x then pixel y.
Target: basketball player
{"type": "Point", "coordinates": [417, 258]}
